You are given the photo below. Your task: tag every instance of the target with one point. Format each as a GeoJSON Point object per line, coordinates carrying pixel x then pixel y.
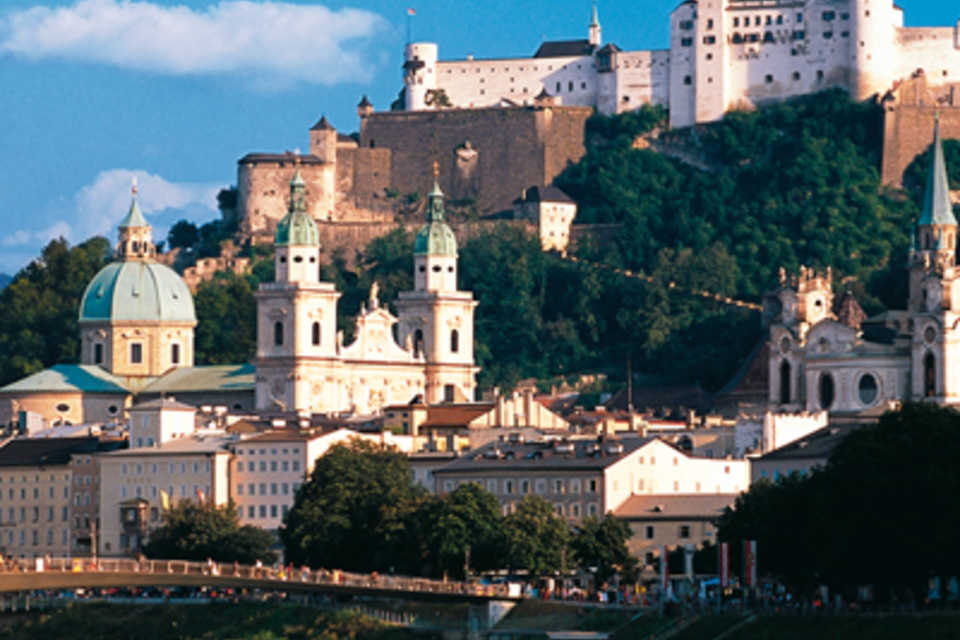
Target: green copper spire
{"type": "Point", "coordinates": [297, 227]}
{"type": "Point", "coordinates": [436, 238]}
{"type": "Point", "coordinates": [134, 217]}
{"type": "Point", "coordinates": [937, 208]}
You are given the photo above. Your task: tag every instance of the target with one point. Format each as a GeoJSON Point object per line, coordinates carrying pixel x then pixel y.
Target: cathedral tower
{"type": "Point", "coordinates": [436, 319]}
{"type": "Point", "coordinates": [935, 289]}
{"type": "Point", "coordinates": [296, 318]}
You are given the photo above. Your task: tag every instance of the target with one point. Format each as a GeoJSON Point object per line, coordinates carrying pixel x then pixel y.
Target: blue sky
{"type": "Point", "coordinates": [176, 91]}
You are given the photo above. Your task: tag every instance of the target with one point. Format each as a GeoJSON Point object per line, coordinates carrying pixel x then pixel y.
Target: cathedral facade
{"type": "Point", "coordinates": [302, 362]}
{"type": "Point", "coordinates": [831, 357]}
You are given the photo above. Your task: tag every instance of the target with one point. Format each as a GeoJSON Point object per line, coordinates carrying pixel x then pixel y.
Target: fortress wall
{"type": "Point", "coordinates": [512, 148]}
{"type": "Point", "coordinates": [263, 192]}
{"type": "Point", "coordinates": [908, 124]}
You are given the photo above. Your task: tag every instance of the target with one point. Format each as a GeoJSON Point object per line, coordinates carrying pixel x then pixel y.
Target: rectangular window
{"type": "Point", "coordinates": [686, 42]}
{"type": "Point", "coordinates": [251, 511]}
{"type": "Point", "coordinates": [263, 511]}
{"type": "Point", "coordinates": [273, 511]}
{"type": "Point", "coordinates": [649, 532]}
{"type": "Point", "coordinates": [253, 489]}
{"type": "Point", "coordinates": [240, 466]}
{"type": "Point", "coordinates": [175, 354]}
{"type": "Point", "coordinates": [285, 489]}
{"type": "Point", "coordinates": [285, 466]}
{"type": "Point", "coordinates": [508, 486]}
{"type": "Point", "coordinates": [684, 531]}
{"type": "Point", "coordinates": [558, 486]}
{"type": "Point", "coordinates": [273, 488]}
{"type": "Point", "coordinates": [136, 353]}
{"type": "Point", "coordinates": [524, 486]}
{"type": "Point", "coordinates": [239, 489]}
{"type": "Point", "coordinates": [273, 465]}
{"type": "Point", "coordinates": [263, 488]}
{"type": "Point", "coordinates": [296, 465]}
{"type": "Point", "coordinates": [593, 486]}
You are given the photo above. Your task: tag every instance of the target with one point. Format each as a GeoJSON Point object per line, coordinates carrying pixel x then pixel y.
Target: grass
{"type": "Point", "coordinates": [202, 622]}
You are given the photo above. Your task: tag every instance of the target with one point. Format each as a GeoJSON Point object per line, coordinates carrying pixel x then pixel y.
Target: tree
{"type": "Point", "coordinates": [536, 539]}
{"type": "Point", "coordinates": [352, 511]}
{"type": "Point", "coordinates": [183, 234]}
{"type": "Point", "coordinates": [226, 320]}
{"type": "Point", "coordinates": [192, 531]}
{"type": "Point", "coordinates": [460, 527]}
{"type": "Point", "coordinates": [602, 543]}
{"type": "Point", "coordinates": [39, 309]}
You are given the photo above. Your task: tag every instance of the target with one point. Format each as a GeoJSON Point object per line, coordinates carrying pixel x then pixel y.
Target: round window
{"type": "Point", "coordinates": [112, 409]}
{"type": "Point", "coordinates": [437, 268]}
{"type": "Point", "coordinates": [868, 389]}
{"type": "Point", "coordinates": [930, 334]}
{"type": "Point", "coordinates": [298, 259]}
{"type": "Point", "coordinates": [63, 407]}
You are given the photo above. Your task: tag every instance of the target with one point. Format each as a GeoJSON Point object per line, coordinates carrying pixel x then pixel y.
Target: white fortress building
{"type": "Point", "coordinates": [723, 55]}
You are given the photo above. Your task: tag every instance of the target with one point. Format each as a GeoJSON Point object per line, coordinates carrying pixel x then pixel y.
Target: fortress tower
{"type": "Point", "coordinates": [419, 74]}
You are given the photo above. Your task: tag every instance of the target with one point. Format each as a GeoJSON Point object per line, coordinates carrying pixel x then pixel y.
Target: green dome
{"type": "Point", "coordinates": [435, 239]}
{"type": "Point", "coordinates": [137, 291]}
{"type": "Point", "coordinates": [297, 228]}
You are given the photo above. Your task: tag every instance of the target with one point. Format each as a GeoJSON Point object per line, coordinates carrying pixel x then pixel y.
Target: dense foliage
{"type": "Point", "coordinates": [39, 309]}
{"type": "Point", "coordinates": [879, 513]}
{"type": "Point", "coordinates": [192, 531]}
{"type": "Point", "coordinates": [243, 621]}
{"type": "Point", "coordinates": [360, 510]}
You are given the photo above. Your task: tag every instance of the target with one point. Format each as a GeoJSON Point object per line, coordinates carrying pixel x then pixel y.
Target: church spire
{"type": "Point", "coordinates": [937, 207]}
{"type": "Point", "coordinates": [136, 236]}
{"type": "Point", "coordinates": [435, 197]}
{"type": "Point", "coordinates": [595, 32]}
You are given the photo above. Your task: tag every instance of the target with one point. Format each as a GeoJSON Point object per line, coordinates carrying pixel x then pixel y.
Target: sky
{"type": "Point", "coordinates": [174, 92]}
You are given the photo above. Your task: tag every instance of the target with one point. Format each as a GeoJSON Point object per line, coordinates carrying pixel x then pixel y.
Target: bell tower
{"type": "Point", "coordinates": [436, 318]}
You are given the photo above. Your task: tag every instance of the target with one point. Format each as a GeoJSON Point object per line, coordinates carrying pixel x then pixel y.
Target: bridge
{"type": "Point", "coordinates": [17, 575]}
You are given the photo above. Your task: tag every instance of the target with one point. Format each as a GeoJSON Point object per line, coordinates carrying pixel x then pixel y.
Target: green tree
{"type": "Point", "coordinates": [352, 511]}
{"type": "Point", "coordinates": [602, 543]}
{"type": "Point", "coordinates": [226, 320]}
{"type": "Point", "coordinates": [39, 309]}
{"type": "Point", "coordinates": [536, 539]}
{"type": "Point", "coordinates": [192, 531]}
{"type": "Point", "coordinates": [183, 234]}
{"type": "Point", "coordinates": [460, 527]}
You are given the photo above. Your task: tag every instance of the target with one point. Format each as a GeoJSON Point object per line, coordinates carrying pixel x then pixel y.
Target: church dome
{"type": "Point", "coordinates": [435, 239]}
{"type": "Point", "coordinates": [137, 291]}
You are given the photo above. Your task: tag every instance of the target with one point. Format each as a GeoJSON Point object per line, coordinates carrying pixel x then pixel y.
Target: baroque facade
{"type": "Point", "coordinates": [302, 362]}
{"type": "Point", "coordinates": [724, 54]}
{"type": "Point", "coordinates": [831, 357]}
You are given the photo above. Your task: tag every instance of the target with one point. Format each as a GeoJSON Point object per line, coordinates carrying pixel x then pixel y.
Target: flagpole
{"type": "Point", "coordinates": [410, 13]}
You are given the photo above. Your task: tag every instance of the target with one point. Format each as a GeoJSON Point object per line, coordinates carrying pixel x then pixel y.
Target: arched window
{"type": "Point", "coordinates": [454, 341]}
{"type": "Point", "coordinates": [316, 334]}
{"type": "Point", "coordinates": [929, 375]}
{"type": "Point", "coordinates": [417, 343]}
{"type": "Point", "coordinates": [784, 382]}
{"type": "Point", "coordinates": [97, 353]}
{"type": "Point", "coordinates": [175, 354]}
{"type": "Point", "coordinates": [826, 391]}
{"type": "Point", "coordinates": [278, 334]}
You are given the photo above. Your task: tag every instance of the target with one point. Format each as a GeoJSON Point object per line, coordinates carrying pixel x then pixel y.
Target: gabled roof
{"type": "Point", "coordinates": [222, 377]}
{"type": "Point", "coordinates": [547, 194]}
{"type": "Point", "coordinates": [564, 48]}
{"type": "Point", "coordinates": [60, 378]}
{"type": "Point", "coordinates": [165, 404]}
{"type": "Point", "coordinates": [456, 415]}
{"type": "Point", "coordinates": [545, 456]}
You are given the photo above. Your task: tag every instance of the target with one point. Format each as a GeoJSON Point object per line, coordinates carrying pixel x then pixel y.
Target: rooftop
{"type": "Point", "coordinates": [223, 377]}
{"type": "Point", "coordinates": [31, 452]}
{"type": "Point", "coordinates": [540, 456]}
{"type": "Point", "coordinates": [280, 157]}
{"type": "Point", "coordinates": [564, 48]}
{"type": "Point", "coordinates": [819, 444]}
{"type": "Point", "coordinates": [166, 404]}
{"type": "Point", "coordinates": [198, 444]}
{"type": "Point", "coordinates": [679, 506]}
{"type": "Point", "coordinates": [456, 415]}
{"type": "Point", "coordinates": [69, 377]}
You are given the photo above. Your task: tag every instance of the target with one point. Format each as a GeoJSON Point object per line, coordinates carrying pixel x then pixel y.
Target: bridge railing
{"type": "Point", "coordinates": [331, 577]}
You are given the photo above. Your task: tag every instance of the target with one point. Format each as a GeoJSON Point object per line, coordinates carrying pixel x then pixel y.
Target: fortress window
{"type": "Point", "coordinates": [454, 341]}
{"type": "Point", "coordinates": [316, 334]}
{"type": "Point", "coordinates": [844, 34]}
{"type": "Point", "coordinates": [97, 353]}
{"type": "Point", "coordinates": [283, 259]}
{"type": "Point", "coordinates": [686, 25]}
{"type": "Point", "coordinates": [827, 35]}
{"type": "Point", "coordinates": [559, 89]}
{"type": "Point", "coordinates": [175, 354]}
{"type": "Point", "coordinates": [768, 79]}
{"type": "Point", "coordinates": [570, 86]}
{"type": "Point", "coordinates": [278, 334]}
{"type": "Point", "coordinates": [686, 42]}
{"type": "Point", "coordinates": [819, 75]}
{"type": "Point", "coordinates": [799, 17]}
{"type": "Point", "coordinates": [736, 22]}
{"type": "Point", "coordinates": [779, 19]}
{"type": "Point", "coordinates": [136, 353]}
{"type": "Point", "coordinates": [796, 75]}
{"type": "Point", "coordinates": [737, 38]}
{"type": "Point", "coordinates": [844, 16]}
{"type": "Point", "coordinates": [687, 80]}
{"type": "Point", "coordinates": [583, 85]}
{"type": "Point", "coordinates": [709, 23]}
{"type": "Point", "coordinates": [768, 37]}
{"type": "Point", "coordinates": [799, 35]}
{"type": "Point", "coordinates": [422, 268]}
{"type": "Point", "coordinates": [769, 19]}
{"type": "Point", "coordinates": [757, 21]}
{"type": "Point", "coordinates": [829, 15]}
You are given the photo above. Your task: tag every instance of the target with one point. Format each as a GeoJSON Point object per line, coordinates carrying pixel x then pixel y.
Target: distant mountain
{"type": "Point", "coordinates": [4, 280]}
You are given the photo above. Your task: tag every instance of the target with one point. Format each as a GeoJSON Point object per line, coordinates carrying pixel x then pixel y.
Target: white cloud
{"type": "Point", "coordinates": [97, 208]}
{"type": "Point", "coordinates": [270, 43]}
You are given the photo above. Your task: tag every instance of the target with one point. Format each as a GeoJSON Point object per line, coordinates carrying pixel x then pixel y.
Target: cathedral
{"type": "Point", "coordinates": [426, 353]}
{"type": "Point", "coordinates": [831, 357]}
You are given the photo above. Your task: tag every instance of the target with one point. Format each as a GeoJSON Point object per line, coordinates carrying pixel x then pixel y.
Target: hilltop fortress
{"type": "Point", "coordinates": [500, 126]}
{"type": "Point", "coordinates": [723, 55]}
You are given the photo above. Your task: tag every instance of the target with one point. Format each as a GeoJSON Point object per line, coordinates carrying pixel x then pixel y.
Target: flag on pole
{"type": "Point", "coordinates": [200, 496]}
{"type": "Point", "coordinates": [411, 11]}
{"type": "Point", "coordinates": [165, 500]}
{"type": "Point", "coordinates": [750, 563]}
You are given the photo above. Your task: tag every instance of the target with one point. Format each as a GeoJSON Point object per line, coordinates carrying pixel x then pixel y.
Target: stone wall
{"type": "Point", "coordinates": [488, 155]}
{"type": "Point", "coordinates": [909, 113]}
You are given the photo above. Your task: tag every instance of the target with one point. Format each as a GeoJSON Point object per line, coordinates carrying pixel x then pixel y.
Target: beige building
{"type": "Point", "coordinates": [36, 495]}
{"type": "Point", "coordinates": [552, 211]}
{"type": "Point", "coordinates": [672, 519]}
{"type": "Point", "coordinates": [585, 478]}
{"type": "Point", "coordinates": [800, 456]}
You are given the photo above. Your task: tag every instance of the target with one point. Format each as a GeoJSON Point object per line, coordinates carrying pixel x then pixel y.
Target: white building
{"type": "Point", "coordinates": [724, 54]}
{"type": "Point", "coordinates": [552, 211]}
{"type": "Point", "coordinates": [302, 363]}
